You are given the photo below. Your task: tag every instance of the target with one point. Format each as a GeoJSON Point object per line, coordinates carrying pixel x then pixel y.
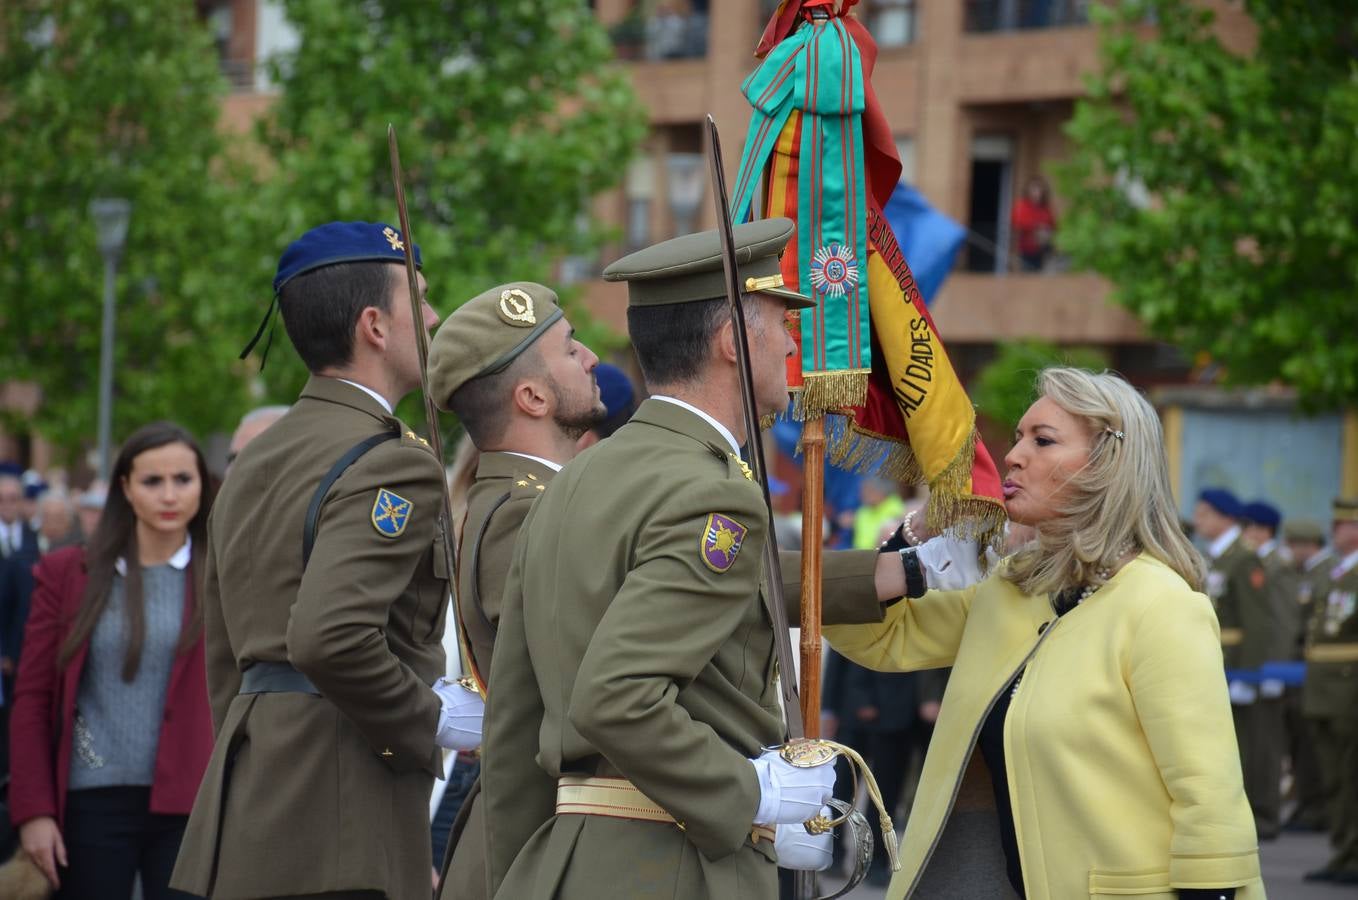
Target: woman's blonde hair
{"type": "Point", "coordinates": [1120, 498]}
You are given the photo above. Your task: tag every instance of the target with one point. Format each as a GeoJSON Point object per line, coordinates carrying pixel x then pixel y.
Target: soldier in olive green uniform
{"type": "Point", "coordinates": [634, 674]}
{"type": "Point", "coordinates": [508, 365]}
{"type": "Point", "coordinates": [1254, 631]}
{"type": "Point", "coordinates": [1330, 698]}
{"type": "Point", "coordinates": [1311, 561]}
{"type": "Point", "coordinates": [324, 608]}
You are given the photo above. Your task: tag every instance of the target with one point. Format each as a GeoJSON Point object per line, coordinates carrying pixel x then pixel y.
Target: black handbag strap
{"type": "Point", "coordinates": [313, 512]}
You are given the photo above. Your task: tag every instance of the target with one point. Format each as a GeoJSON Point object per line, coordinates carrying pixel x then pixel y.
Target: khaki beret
{"type": "Point", "coordinates": [688, 269]}
{"type": "Point", "coordinates": [487, 333]}
{"type": "Point", "coordinates": [1303, 530]}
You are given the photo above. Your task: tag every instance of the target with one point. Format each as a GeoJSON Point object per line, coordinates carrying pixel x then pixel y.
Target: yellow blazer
{"type": "Point", "coordinates": [1124, 775]}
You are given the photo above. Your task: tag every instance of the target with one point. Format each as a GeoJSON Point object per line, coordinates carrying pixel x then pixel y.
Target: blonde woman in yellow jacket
{"type": "Point", "coordinates": [1085, 745]}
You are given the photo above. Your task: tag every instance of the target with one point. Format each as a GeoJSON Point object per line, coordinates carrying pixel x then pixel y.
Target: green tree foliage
{"type": "Point", "coordinates": [1219, 192]}
{"type": "Point", "coordinates": [510, 115]}
{"type": "Point", "coordinates": [116, 98]}
{"type": "Point", "coordinates": [1007, 385]}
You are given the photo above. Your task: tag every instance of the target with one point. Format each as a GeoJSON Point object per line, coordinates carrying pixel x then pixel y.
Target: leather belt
{"type": "Point", "coordinates": [275, 678]}
{"type": "Point", "coordinates": [1332, 653]}
{"type": "Point", "coordinates": [618, 798]}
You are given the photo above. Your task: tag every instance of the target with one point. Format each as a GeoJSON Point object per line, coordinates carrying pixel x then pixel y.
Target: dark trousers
{"type": "Point", "coordinates": [1259, 731]}
{"type": "Point", "coordinates": [112, 836]}
{"type": "Point", "coordinates": [1308, 784]}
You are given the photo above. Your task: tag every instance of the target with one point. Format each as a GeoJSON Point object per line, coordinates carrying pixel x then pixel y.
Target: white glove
{"type": "Point", "coordinates": [789, 795]}
{"type": "Point", "coordinates": [1271, 688]}
{"type": "Point", "coordinates": [1242, 694]}
{"type": "Point", "coordinates": [798, 848]}
{"type": "Point", "coordinates": [949, 563]}
{"type": "Point", "coordinates": [460, 717]}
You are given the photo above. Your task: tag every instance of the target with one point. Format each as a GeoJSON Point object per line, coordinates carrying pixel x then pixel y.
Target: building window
{"type": "Point", "coordinates": [1010, 15]}
{"type": "Point", "coordinates": [892, 22]}
{"type": "Point", "coordinates": [662, 29]}
{"type": "Point", "coordinates": [639, 190]}
{"type": "Point", "coordinates": [992, 164]}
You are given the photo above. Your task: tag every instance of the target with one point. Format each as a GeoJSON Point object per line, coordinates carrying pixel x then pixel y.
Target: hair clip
{"type": "Point", "coordinates": [1117, 434]}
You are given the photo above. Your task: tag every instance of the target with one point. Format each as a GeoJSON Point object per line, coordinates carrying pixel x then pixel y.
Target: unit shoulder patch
{"type": "Point", "coordinates": [390, 514]}
{"type": "Point", "coordinates": [721, 541]}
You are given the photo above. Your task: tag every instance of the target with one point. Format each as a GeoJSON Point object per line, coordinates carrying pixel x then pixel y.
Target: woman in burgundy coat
{"type": "Point", "coordinates": [111, 728]}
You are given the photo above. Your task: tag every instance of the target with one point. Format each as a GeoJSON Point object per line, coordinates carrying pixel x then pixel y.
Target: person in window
{"type": "Point", "coordinates": [1034, 224]}
{"type": "Point", "coordinates": [1084, 746]}
{"type": "Point", "coordinates": [112, 730]}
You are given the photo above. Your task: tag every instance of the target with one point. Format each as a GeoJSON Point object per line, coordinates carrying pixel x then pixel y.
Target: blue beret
{"type": "Point", "coordinates": [1223, 501]}
{"type": "Point", "coordinates": [615, 388]}
{"type": "Point", "coordinates": [341, 242]}
{"type": "Point", "coordinates": [35, 489]}
{"type": "Point", "coordinates": [1261, 513]}
{"type": "Point", "coordinates": [12, 469]}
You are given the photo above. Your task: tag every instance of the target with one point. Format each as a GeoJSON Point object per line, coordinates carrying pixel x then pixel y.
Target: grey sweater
{"type": "Point", "coordinates": [117, 723]}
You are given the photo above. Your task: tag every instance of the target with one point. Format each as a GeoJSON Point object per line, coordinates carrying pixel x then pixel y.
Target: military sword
{"type": "Point", "coordinates": [431, 421]}
{"type": "Point", "coordinates": [773, 570]}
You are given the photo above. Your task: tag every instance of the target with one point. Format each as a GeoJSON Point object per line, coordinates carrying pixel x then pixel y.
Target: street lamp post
{"type": "Point", "coordinates": [110, 220]}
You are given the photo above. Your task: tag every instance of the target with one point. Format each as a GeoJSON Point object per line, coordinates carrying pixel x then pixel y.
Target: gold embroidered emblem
{"type": "Point", "coordinates": [744, 469]}
{"type": "Point", "coordinates": [517, 307]}
{"type": "Point", "coordinates": [521, 483]}
{"type": "Point", "coordinates": [532, 477]}
{"type": "Point", "coordinates": [541, 487]}
{"type": "Point", "coordinates": [393, 237]}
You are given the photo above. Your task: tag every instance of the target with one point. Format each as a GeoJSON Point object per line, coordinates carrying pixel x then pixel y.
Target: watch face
{"type": "Point", "coordinates": [807, 753]}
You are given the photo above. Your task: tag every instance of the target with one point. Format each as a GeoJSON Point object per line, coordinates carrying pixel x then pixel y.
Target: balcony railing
{"type": "Point", "coordinates": [1012, 15]}
{"type": "Point", "coordinates": [661, 36]}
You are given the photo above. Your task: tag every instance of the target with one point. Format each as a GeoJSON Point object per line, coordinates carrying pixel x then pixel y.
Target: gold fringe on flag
{"type": "Point", "coordinates": [825, 392]}
{"type": "Point", "coordinates": [952, 505]}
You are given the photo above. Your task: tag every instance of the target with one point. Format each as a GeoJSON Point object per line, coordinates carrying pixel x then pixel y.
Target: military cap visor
{"type": "Point", "coordinates": [1346, 509]}
{"type": "Point", "coordinates": [689, 269]}
{"type": "Point", "coordinates": [487, 333]}
{"type": "Point", "coordinates": [341, 242]}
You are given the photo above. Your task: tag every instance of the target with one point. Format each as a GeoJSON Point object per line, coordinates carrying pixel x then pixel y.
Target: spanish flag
{"type": "Point", "coordinates": [871, 360]}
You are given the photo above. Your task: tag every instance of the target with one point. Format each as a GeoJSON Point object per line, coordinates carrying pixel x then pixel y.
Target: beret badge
{"type": "Point", "coordinates": [516, 308]}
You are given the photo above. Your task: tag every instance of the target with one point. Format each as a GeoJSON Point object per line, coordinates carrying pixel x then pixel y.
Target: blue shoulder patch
{"type": "Point", "coordinates": [390, 513]}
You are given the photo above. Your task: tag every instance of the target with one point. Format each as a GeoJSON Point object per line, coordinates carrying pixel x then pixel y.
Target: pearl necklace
{"type": "Point", "coordinates": [1102, 575]}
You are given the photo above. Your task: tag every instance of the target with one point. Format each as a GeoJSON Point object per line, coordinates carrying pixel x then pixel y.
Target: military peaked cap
{"type": "Point", "coordinates": [688, 269]}
{"type": "Point", "coordinates": [1346, 509]}
{"type": "Point", "coordinates": [1304, 530]}
{"type": "Point", "coordinates": [487, 333]}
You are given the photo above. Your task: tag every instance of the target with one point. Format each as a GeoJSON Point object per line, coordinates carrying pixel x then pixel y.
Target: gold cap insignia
{"type": "Point", "coordinates": [517, 307]}
{"type": "Point", "coordinates": [393, 237]}
{"type": "Point", "coordinates": [754, 285]}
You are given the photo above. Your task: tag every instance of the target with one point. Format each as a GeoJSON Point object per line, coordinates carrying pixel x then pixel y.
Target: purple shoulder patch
{"type": "Point", "coordinates": [722, 537]}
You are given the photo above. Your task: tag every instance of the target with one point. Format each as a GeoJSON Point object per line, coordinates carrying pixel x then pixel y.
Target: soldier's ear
{"type": "Point", "coordinates": [724, 343]}
{"type": "Point", "coordinates": [531, 396]}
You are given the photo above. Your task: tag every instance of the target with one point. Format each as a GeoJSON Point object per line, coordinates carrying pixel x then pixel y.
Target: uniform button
{"type": "Point", "coordinates": [387, 754]}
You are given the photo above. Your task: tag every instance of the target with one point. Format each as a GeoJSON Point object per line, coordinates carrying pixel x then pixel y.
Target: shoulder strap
{"type": "Point", "coordinates": [481, 620]}
{"type": "Point", "coordinates": [313, 512]}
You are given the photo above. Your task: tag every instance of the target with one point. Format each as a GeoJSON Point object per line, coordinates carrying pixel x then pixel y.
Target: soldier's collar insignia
{"type": "Point", "coordinates": [516, 308]}
{"type": "Point", "coordinates": [744, 468]}
{"type": "Point", "coordinates": [722, 539]}
{"type": "Point", "coordinates": [390, 513]}
{"type": "Point", "coordinates": [393, 237]}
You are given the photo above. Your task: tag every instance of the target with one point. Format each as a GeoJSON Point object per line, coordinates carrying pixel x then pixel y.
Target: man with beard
{"type": "Point", "coordinates": [507, 364]}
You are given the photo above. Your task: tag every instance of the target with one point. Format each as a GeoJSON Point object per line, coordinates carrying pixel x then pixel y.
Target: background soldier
{"type": "Point", "coordinates": [634, 673]}
{"type": "Point", "coordinates": [1253, 632]}
{"type": "Point", "coordinates": [508, 365]}
{"type": "Point", "coordinates": [322, 642]}
{"type": "Point", "coordinates": [1312, 561]}
{"type": "Point", "coordinates": [1330, 699]}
